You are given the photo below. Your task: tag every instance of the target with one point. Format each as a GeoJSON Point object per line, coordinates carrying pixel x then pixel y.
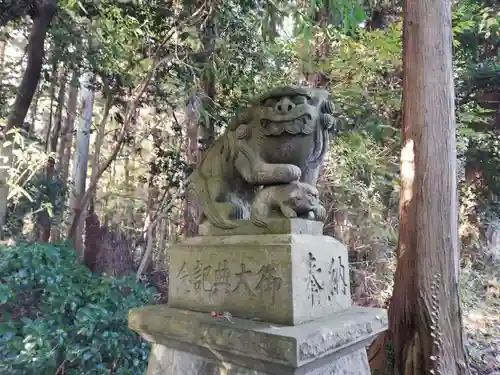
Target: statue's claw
{"type": "Point", "coordinates": [320, 213]}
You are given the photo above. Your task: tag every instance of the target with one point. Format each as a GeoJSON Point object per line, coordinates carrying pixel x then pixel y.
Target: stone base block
{"type": "Point", "coordinates": [281, 278]}
{"type": "Point", "coordinates": [191, 343]}
{"type": "Point", "coordinates": [276, 226]}
{"type": "Point", "coordinates": [193, 361]}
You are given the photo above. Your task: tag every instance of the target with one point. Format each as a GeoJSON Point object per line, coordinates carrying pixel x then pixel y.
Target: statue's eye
{"type": "Point", "coordinates": [270, 102]}
{"type": "Point", "coordinates": [299, 99]}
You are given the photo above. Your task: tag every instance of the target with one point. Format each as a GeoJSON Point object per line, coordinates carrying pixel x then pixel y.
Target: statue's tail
{"type": "Point", "coordinates": [258, 220]}
{"type": "Point", "coordinates": [202, 193]}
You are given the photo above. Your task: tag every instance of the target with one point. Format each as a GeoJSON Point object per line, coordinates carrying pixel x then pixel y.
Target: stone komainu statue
{"type": "Point", "coordinates": [280, 139]}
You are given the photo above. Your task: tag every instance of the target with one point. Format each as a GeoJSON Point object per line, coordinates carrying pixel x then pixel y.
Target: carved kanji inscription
{"type": "Point", "coordinates": [337, 282]}
{"type": "Point", "coordinates": [314, 285]}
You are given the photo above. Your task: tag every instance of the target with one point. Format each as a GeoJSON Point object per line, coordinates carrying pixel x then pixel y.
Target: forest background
{"type": "Point", "coordinates": [106, 106]}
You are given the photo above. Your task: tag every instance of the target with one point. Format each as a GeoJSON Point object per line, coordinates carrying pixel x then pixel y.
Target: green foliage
{"type": "Point", "coordinates": [477, 65]}
{"type": "Point", "coordinates": [360, 183]}
{"type": "Point", "coordinates": [361, 176]}
{"type": "Point", "coordinates": [31, 191]}
{"type": "Point", "coordinates": [54, 312]}
{"type": "Point", "coordinates": [245, 64]}
{"type": "Point", "coordinates": [365, 76]}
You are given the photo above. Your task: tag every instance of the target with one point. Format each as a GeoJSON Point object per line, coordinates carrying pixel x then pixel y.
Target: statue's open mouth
{"type": "Point", "coordinates": [299, 125]}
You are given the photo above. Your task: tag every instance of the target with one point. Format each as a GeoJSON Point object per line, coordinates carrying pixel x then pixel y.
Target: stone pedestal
{"type": "Point", "coordinates": [282, 305]}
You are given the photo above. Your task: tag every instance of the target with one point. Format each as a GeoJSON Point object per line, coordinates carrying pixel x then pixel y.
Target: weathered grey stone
{"type": "Point", "coordinates": [284, 279]}
{"type": "Point", "coordinates": [275, 226]}
{"type": "Point", "coordinates": [165, 360]}
{"type": "Point", "coordinates": [296, 199]}
{"type": "Point", "coordinates": [246, 342]}
{"type": "Point", "coordinates": [281, 139]}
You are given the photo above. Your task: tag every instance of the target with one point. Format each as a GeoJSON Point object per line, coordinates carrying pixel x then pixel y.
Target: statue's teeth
{"type": "Point", "coordinates": [275, 128]}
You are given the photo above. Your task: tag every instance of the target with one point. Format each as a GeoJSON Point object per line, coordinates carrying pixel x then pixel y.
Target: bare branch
{"type": "Point", "coordinates": [149, 244]}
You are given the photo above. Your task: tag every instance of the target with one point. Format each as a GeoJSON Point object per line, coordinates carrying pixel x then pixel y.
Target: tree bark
{"type": "Point", "coordinates": [81, 157]}
{"type": "Point", "coordinates": [65, 145]}
{"type": "Point", "coordinates": [3, 45]}
{"type": "Point", "coordinates": [33, 110]}
{"type": "Point", "coordinates": [89, 207]}
{"type": "Point", "coordinates": [31, 75]}
{"type": "Point", "coordinates": [41, 22]}
{"type": "Point", "coordinates": [200, 128]}
{"type": "Point", "coordinates": [147, 255]}
{"type": "Point", "coordinates": [53, 84]}
{"type": "Point", "coordinates": [161, 264]}
{"type": "Point", "coordinates": [191, 209]}
{"type": "Point", "coordinates": [64, 150]}
{"type": "Point", "coordinates": [425, 317]}
{"type": "Point", "coordinates": [44, 221]}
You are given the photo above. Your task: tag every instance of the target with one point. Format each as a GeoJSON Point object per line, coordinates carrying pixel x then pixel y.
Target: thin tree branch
{"type": "Point", "coordinates": [149, 244]}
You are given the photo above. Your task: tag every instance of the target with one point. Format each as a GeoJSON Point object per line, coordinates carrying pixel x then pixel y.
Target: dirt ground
{"type": "Point", "coordinates": [481, 304]}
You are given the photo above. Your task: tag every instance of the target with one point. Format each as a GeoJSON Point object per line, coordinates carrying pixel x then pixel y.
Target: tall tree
{"type": "Point", "coordinates": [81, 157]}
{"type": "Point", "coordinates": [42, 14]}
{"type": "Point", "coordinates": [65, 144]}
{"type": "Point", "coordinates": [200, 119]}
{"type": "Point", "coordinates": [425, 315]}
{"type": "Point", "coordinates": [43, 224]}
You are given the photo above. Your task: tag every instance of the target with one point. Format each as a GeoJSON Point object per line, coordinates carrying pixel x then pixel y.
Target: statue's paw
{"type": "Point", "coordinates": [289, 173]}
{"type": "Point", "coordinates": [320, 213]}
{"type": "Point", "coordinates": [259, 222]}
{"type": "Point", "coordinates": [295, 172]}
{"type": "Point", "coordinates": [288, 212]}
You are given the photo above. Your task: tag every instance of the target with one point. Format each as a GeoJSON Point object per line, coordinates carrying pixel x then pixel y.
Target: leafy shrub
{"type": "Point", "coordinates": [56, 317]}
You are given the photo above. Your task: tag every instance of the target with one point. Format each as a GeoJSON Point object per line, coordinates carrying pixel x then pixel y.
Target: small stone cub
{"type": "Point", "coordinates": [293, 199]}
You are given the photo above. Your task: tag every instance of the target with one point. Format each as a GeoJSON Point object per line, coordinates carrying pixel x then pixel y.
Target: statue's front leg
{"type": "Point", "coordinates": [319, 212]}
{"type": "Point", "coordinates": [310, 176]}
{"type": "Point", "coordinates": [287, 211]}
{"type": "Point", "coordinates": [256, 171]}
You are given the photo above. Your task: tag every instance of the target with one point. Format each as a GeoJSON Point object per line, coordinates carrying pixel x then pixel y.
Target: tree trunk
{"type": "Point", "coordinates": [31, 75]}
{"type": "Point", "coordinates": [90, 219]}
{"type": "Point", "coordinates": [191, 209]}
{"type": "Point", "coordinates": [3, 45]}
{"type": "Point", "coordinates": [161, 264]}
{"type": "Point", "coordinates": [81, 157]}
{"type": "Point", "coordinates": [44, 221]}
{"type": "Point", "coordinates": [99, 138]}
{"type": "Point", "coordinates": [129, 189]}
{"type": "Point", "coordinates": [64, 151]}
{"type": "Point", "coordinates": [41, 22]}
{"type": "Point", "coordinates": [425, 316]}
{"type": "Point", "coordinates": [80, 207]}
{"type": "Point", "coordinates": [57, 122]}
{"type": "Point", "coordinates": [52, 93]}
{"type": "Point", "coordinates": [154, 207]}
{"type": "Point", "coordinates": [200, 128]}
{"type": "Point", "coordinates": [151, 223]}
{"type": "Point", "coordinates": [65, 144]}
{"type": "Point", "coordinates": [33, 110]}
{"type": "Point", "coordinates": [147, 255]}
